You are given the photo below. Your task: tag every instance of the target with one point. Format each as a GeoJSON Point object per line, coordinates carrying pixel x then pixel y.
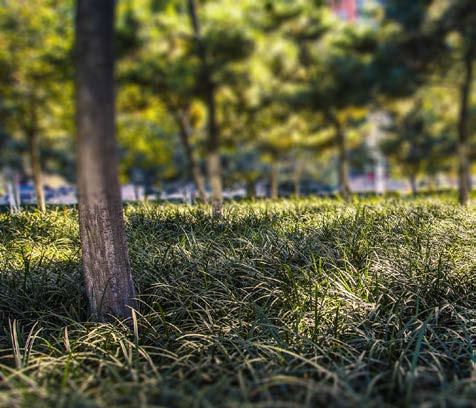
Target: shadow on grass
{"type": "Point", "coordinates": [300, 305]}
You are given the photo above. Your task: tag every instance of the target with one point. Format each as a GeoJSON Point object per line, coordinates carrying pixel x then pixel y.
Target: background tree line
{"type": "Point", "coordinates": [217, 92]}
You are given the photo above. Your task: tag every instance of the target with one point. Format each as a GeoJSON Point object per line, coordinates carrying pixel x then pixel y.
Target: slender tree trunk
{"type": "Point", "coordinates": [146, 186]}
{"type": "Point", "coordinates": [136, 192]}
{"type": "Point", "coordinates": [250, 189]}
{"type": "Point", "coordinates": [298, 169]}
{"type": "Point", "coordinates": [16, 189]}
{"type": "Point", "coordinates": [34, 148]}
{"type": "Point", "coordinates": [106, 265]}
{"type": "Point", "coordinates": [12, 199]}
{"type": "Point", "coordinates": [464, 165]}
{"type": "Point", "coordinates": [214, 175]}
{"type": "Point", "coordinates": [144, 197]}
{"type": "Point", "coordinates": [431, 183]}
{"type": "Point", "coordinates": [11, 188]}
{"type": "Point", "coordinates": [274, 180]}
{"type": "Point", "coordinates": [413, 184]}
{"type": "Point", "coordinates": [213, 142]}
{"type": "Point", "coordinates": [194, 168]}
{"type": "Point", "coordinates": [342, 161]}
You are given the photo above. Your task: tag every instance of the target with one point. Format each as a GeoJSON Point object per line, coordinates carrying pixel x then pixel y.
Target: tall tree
{"type": "Point", "coordinates": [412, 142]}
{"type": "Point", "coordinates": [460, 18]}
{"type": "Point", "coordinates": [464, 172]}
{"type": "Point", "coordinates": [31, 130]}
{"type": "Point", "coordinates": [160, 76]}
{"type": "Point", "coordinates": [36, 38]}
{"type": "Point", "coordinates": [213, 140]}
{"type": "Point", "coordinates": [168, 78]}
{"type": "Point", "coordinates": [433, 37]}
{"type": "Point", "coordinates": [106, 264]}
{"type": "Point", "coordinates": [185, 132]}
{"type": "Point", "coordinates": [336, 84]}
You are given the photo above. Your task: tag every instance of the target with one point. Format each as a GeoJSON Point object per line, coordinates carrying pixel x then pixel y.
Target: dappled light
{"type": "Point", "coordinates": [221, 203]}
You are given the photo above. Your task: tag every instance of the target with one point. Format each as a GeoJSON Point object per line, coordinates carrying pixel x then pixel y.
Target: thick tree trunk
{"type": "Point", "coordinates": [464, 165]}
{"type": "Point", "coordinates": [274, 180]}
{"type": "Point", "coordinates": [34, 149]}
{"type": "Point", "coordinates": [213, 142]}
{"type": "Point", "coordinates": [106, 265]}
{"type": "Point", "coordinates": [194, 168]}
{"type": "Point", "coordinates": [342, 162]}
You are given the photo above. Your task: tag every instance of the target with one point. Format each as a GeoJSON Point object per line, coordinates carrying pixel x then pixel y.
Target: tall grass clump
{"type": "Point", "coordinates": [292, 303]}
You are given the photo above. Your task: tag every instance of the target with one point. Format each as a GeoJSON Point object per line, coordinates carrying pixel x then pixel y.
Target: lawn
{"type": "Point", "coordinates": [293, 303]}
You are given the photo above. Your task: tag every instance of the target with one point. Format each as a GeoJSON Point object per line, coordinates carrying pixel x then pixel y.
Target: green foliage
{"type": "Point", "coordinates": [415, 145]}
{"type": "Point", "coordinates": [36, 39]}
{"type": "Point", "coordinates": [284, 72]}
{"type": "Point", "coordinates": [407, 31]}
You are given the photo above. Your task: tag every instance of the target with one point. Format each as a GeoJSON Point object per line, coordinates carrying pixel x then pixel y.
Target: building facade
{"type": "Point", "coordinates": [346, 9]}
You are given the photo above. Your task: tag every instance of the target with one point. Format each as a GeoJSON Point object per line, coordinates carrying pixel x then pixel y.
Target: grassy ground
{"type": "Point", "coordinates": [280, 304]}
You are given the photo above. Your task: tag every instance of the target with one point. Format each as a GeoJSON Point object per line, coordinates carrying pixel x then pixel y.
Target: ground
{"type": "Point", "coordinates": [292, 303]}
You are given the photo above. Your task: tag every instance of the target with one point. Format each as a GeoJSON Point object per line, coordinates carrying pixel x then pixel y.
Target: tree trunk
{"type": "Point", "coordinates": [146, 186]}
{"type": "Point", "coordinates": [298, 169]}
{"type": "Point", "coordinates": [250, 189]}
{"type": "Point", "coordinates": [11, 181]}
{"type": "Point", "coordinates": [342, 162]}
{"type": "Point", "coordinates": [274, 180]}
{"type": "Point", "coordinates": [194, 168]}
{"type": "Point", "coordinates": [34, 148]}
{"type": "Point", "coordinates": [214, 175]}
{"type": "Point", "coordinates": [413, 184]}
{"type": "Point", "coordinates": [136, 192]}
{"type": "Point", "coordinates": [16, 189]}
{"type": "Point", "coordinates": [431, 183]}
{"type": "Point", "coordinates": [464, 165]}
{"type": "Point", "coordinates": [11, 197]}
{"type": "Point", "coordinates": [213, 142]}
{"type": "Point", "coordinates": [107, 271]}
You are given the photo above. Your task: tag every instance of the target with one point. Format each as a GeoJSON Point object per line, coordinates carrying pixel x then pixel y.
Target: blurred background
{"type": "Point", "coordinates": [297, 98]}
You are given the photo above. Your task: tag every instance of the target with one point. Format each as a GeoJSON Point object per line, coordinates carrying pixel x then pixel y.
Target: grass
{"type": "Point", "coordinates": [293, 303]}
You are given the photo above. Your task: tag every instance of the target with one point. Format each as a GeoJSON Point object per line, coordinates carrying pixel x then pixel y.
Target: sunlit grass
{"type": "Point", "coordinates": [294, 302]}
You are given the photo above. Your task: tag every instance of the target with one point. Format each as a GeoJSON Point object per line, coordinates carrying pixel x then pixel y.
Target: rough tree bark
{"type": "Point", "coordinates": [213, 142]}
{"type": "Point", "coordinates": [464, 164]}
{"type": "Point", "coordinates": [107, 271]}
{"type": "Point", "coordinates": [194, 168]}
